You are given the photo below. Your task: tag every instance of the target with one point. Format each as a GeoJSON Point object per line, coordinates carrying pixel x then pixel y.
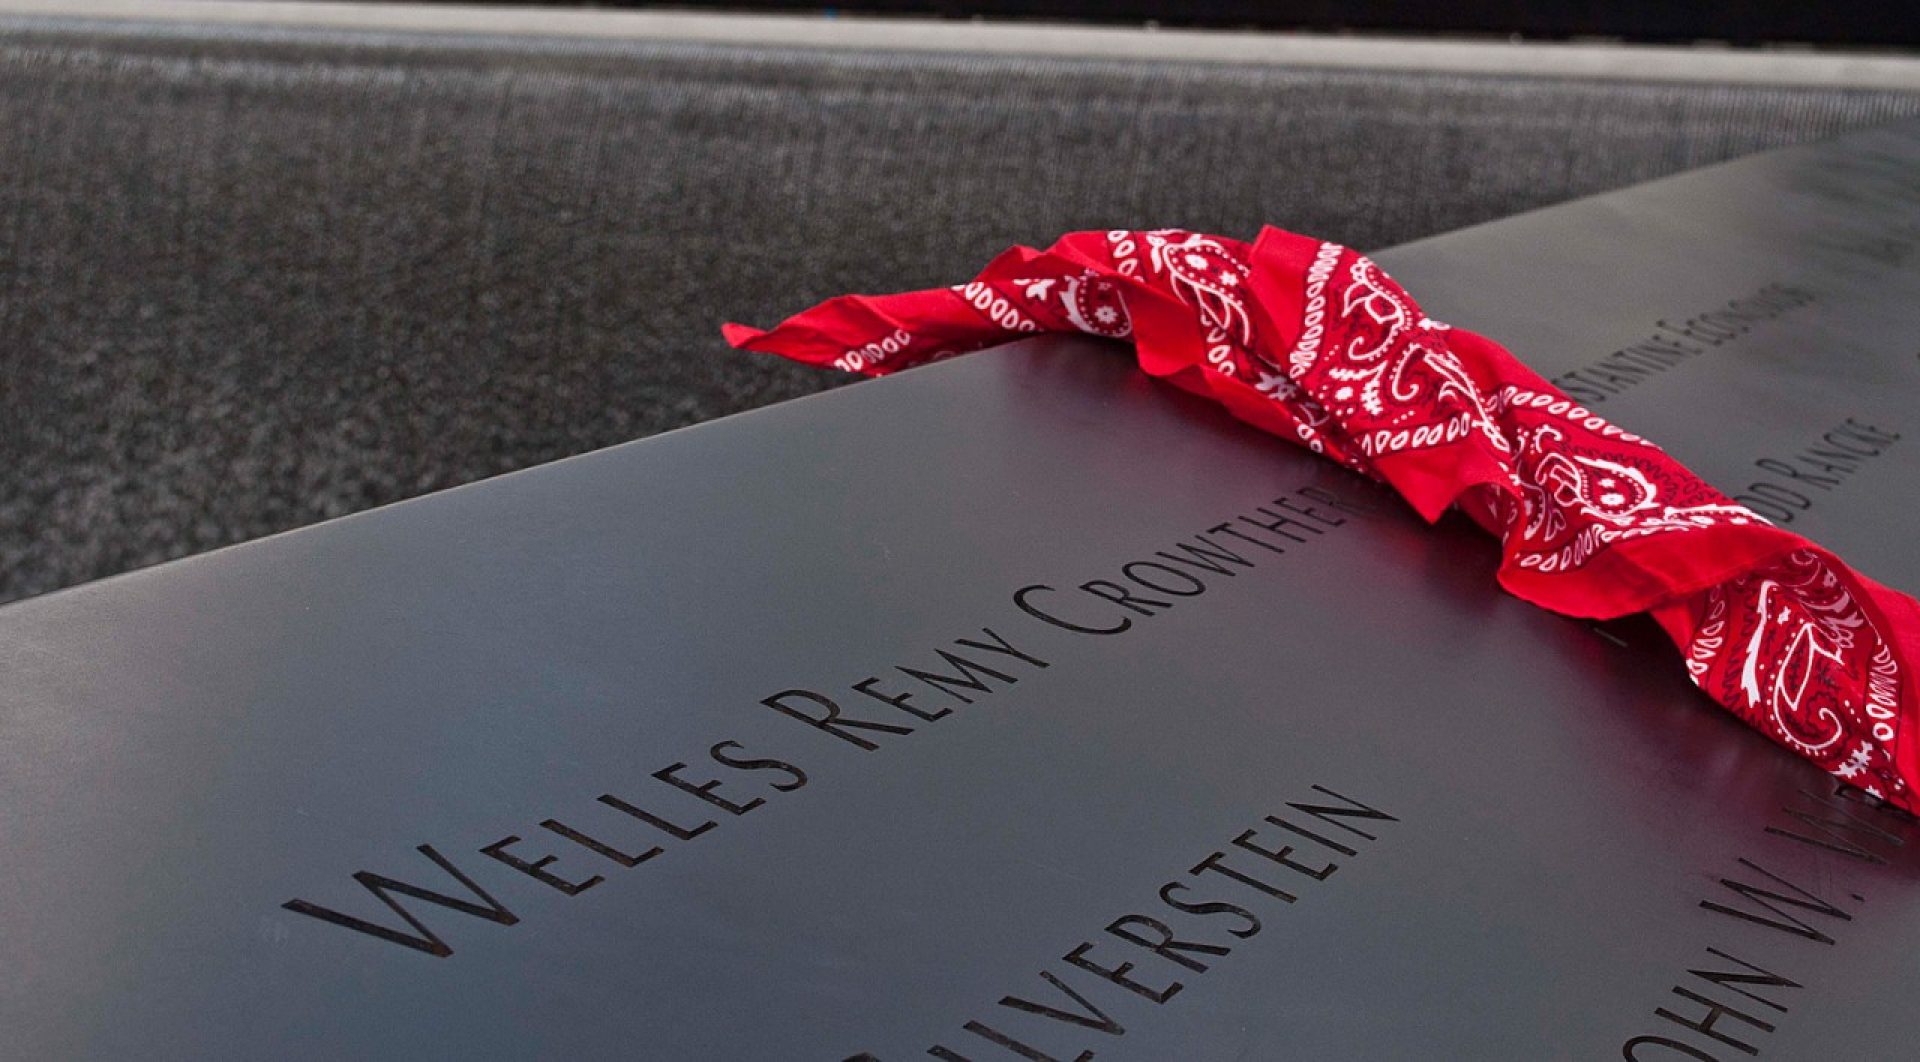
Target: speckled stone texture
{"type": "Point", "coordinates": [249, 280]}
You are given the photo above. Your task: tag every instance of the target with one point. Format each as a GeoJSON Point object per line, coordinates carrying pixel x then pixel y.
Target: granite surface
{"type": "Point", "coordinates": [254, 279]}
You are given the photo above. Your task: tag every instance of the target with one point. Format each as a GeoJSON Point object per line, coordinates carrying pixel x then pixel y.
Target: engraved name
{"type": "Point", "coordinates": [598, 838]}
{"type": "Point", "coordinates": [1674, 342]}
{"type": "Point", "coordinates": [1201, 916]}
{"type": "Point", "coordinates": [1736, 995]}
{"type": "Point", "coordinates": [1793, 482]}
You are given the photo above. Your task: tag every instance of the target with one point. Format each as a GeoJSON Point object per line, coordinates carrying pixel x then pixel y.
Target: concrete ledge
{"type": "Point", "coordinates": [1628, 62]}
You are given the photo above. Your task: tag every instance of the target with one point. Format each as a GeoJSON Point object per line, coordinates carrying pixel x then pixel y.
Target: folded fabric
{"type": "Point", "coordinates": [1312, 342]}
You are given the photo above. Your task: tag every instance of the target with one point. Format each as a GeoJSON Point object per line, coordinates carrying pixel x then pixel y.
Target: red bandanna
{"type": "Point", "coordinates": [1312, 342]}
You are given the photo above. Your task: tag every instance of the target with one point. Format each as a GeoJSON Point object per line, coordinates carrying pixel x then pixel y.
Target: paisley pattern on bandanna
{"type": "Point", "coordinates": [1312, 342]}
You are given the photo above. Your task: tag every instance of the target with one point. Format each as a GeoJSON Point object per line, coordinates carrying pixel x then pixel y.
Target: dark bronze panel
{"type": "Point", "coordinates": [1328, 781]}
